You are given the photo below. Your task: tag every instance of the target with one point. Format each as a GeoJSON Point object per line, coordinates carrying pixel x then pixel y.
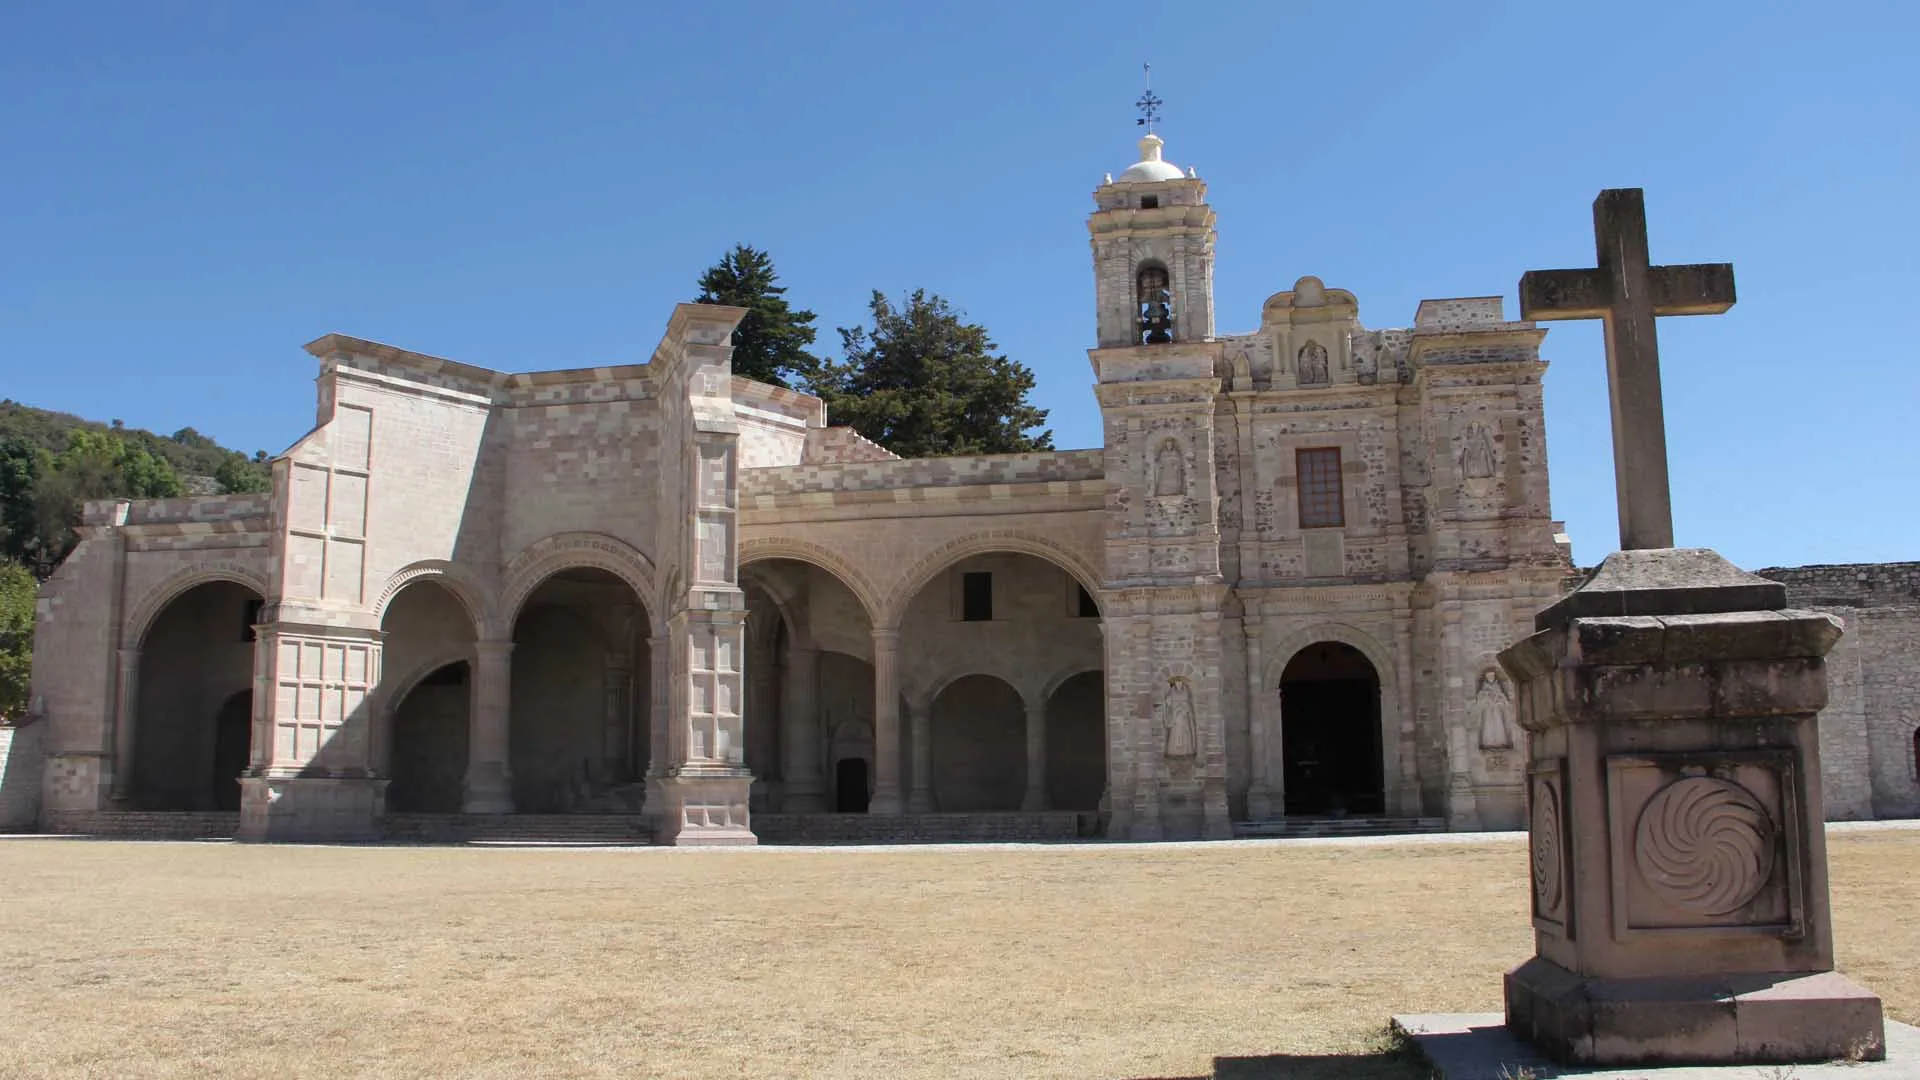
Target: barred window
{"type": "Point", "coordinates": [1319, 473]}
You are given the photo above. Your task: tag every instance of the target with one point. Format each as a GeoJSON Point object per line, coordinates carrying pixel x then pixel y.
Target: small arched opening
{"type": "Point", "coordinates": [979, 739]}
{"type": "Point", "coordinates": [1153, 303]}
{"type": "Point", "coordinates": [1330, 732]}
{"type": "Point", "coordinates": [1077, 743]}
{"type": "Point", "coordinates": [430, 732]}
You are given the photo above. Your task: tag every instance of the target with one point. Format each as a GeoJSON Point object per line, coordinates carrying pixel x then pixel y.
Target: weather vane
{"type": "Point", "coordinates": [1149, 105]}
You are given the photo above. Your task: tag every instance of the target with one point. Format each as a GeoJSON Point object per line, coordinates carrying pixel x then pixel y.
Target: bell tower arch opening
{"type": "Point", "coordinates": [1330, 732]}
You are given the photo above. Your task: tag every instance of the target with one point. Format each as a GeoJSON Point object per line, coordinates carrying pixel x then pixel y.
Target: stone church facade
{"type": "Point", "coordinates": [656, 600]}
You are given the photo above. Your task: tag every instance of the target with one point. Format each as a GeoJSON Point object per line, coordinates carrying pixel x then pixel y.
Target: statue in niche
{"type": "Point", "coordinates": [1492, 713]}
{"type": "Point", "coordinates": [1476, 457]}
{"type": "Point", "coordinates": [1182, 738]}
{"type": "Point", "coordinates": [1169, 471]}
{"type": "Point", "coordinates": [1313, 363]}
{"type": "Point", "coordinates": [1242, 371]}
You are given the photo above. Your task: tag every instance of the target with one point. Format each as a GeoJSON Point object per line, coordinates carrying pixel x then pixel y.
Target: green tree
{"type": "Point", "coordinates": [771, 342]}
{"type": "Point", "coordinates": [923, 383]}
{"type": "Point", "coordinates": [94, 465]}
{"type": "Point", "coordinates": [239, 476]}
{"type": "Point", "coordinates": [17, 589]}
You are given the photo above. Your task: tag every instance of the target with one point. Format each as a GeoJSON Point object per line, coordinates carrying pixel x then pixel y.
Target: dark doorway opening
{"type": "Point", "coordinates": [850, 786]}
{"type": "Point", "coordinates": [1330, 732]}
{"type": "Point", "coordinates": [232, 739]}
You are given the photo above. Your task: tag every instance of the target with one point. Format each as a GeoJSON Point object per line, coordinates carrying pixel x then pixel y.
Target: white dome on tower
{"type": "Point", "coordinates": [1151, 168]}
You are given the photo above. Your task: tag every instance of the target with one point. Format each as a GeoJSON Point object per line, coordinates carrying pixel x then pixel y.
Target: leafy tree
{"type": "Point", "coordinates": [923, 383]}
{"type": "Point", "coordinates": [16, 637]}
{"type": "Point", "coordinates": [771, 342]}
{"type": "Point", "coordinates": [239, 476]}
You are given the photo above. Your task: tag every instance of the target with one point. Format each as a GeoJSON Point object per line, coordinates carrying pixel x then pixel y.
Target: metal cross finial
{"type": "Point", "coordinates": [1149, 104]}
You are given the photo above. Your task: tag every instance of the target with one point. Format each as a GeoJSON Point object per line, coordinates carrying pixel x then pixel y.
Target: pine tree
{"type": "Point", "coordinates": [771, 342]}
{"type": "Point", "coordinates": [923, 383]}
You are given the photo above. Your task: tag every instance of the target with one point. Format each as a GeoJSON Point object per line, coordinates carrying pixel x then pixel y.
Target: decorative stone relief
{"type": "Point", "coordinates": [1548, 856]}
{"type": "Point", "coordinates": [1312, 364]}
{"type": "Point", "coordinates": [1704, 845]}
{"type": "Point", "coordinates": [1169, 471]}
{"type": "Point", "coordinates": [1492, 713]}
{"type": "Point", "coordinates": [1182, 738]}
{"type": "Point", "coordinates": [1477, 458]}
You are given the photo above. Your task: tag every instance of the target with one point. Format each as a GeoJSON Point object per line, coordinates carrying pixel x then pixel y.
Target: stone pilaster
{"type": "Point", "coordinates": [886, 723]}
{"type": "Point", "coordinates": [1678, 855]}
{"type": "Point", "coordinates": [1262, 728]}
{"type": "Point", "coordinates": [489, 783]}
{"type": "Point", "coordinates": [312, 776]}
{"type": "Point", "coordinates": [126, 716]}
{"type": "Point", "coordinates": [1036, 794]}
{"type": "Point", "coordinates": [658, 685]}
{"type": "Point", "coordinates": [800, 724]}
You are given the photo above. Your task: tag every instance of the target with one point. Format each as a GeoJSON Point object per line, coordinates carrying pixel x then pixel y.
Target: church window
{"type": "Point", "coordinates": [1149, 202]}
{"type": "Point", "coordinates": [1320, 496]}
{"type": "Point", "coordinates": [976, 597]}
{"type": "Point", "coordinates": [1087, 608]}
{"type": "Point", "coordinates": [251, 618]}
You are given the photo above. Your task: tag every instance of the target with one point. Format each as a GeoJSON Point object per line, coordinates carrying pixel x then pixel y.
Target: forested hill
{"type": "Point", "coordinates": [51, 463]}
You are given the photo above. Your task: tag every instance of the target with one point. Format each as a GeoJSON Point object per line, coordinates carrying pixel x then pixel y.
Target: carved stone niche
{"type": "Point", "coordinates": [1677, 856]}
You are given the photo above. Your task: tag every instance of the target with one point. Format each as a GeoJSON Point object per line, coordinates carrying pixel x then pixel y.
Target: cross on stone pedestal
{"type": "Point", "coordinates": [1626, 293]}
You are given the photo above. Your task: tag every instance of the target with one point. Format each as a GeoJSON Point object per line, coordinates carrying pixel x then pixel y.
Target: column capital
{"type": "Point", "coordinates": [493, 649]}
{"type": "Point", "coordinates": [889, 637]}
{"type": "Point", "coordinates": [129, 657]}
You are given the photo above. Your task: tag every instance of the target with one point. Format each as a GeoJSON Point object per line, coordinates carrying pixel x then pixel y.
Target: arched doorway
{"type": "Point", "coordinates": [846, 722]}
{"type": "Point", "coordinates": [979, 728]}
{"type": "Point", "coordinates": [194, 705]}
{"type": "Point", "coordinates": [428, 703]}
{"type": "Point", "coordinates": [430, 732]}
{"type": "Point", "coordinates": [1330, 732]}
{"type": "Point", "coordinates": [578, 733]}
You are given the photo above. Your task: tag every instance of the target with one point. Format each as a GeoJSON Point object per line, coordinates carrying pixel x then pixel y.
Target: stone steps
{"type": "Point", "coordinates": [1291, 827]}
{"type": "Point", "coordinates": [574, 829]}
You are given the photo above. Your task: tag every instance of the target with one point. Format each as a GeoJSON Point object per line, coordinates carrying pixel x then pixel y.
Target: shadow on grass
{"type": "Point", "coordinates": [1389, 1058]}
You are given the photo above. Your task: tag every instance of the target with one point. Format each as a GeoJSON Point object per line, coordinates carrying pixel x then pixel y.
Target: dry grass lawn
{"type": "Point", "coordinates": [192, 960]}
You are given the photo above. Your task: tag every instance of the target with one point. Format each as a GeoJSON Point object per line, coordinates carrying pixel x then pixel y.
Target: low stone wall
{"type": "Point", "coordinates": [20, 769]}
{"type": "Point", "coordinates": [1049, 826]}
{"type": "Point", "coordinates": [1048, 466]}
{"type": "Point", "coordinates": [512, 828]}
{"type": "Point", "coordinates": [142, 824]}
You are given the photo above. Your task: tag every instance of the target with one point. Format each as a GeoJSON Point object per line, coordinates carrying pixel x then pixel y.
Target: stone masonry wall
{"type": "Point", "coordinates": [20, 765]}
{"type": "Point", "coordinates": [1868, 730]}
{"type": "Point", "coordinates": [1063, 465]}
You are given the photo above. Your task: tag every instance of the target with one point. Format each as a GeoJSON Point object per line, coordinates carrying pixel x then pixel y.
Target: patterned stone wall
{"type": "Point", "coordinates": [22, 758]}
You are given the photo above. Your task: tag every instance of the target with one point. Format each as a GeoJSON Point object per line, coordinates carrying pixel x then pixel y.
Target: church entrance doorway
{"type": "Point", "coordinates": [1330, 732]}
{"type": "Point", "coordinates": [850, 786]}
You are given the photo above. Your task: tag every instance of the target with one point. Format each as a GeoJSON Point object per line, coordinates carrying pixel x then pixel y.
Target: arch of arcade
{"type": "Point", "coordinates": [659, 591]}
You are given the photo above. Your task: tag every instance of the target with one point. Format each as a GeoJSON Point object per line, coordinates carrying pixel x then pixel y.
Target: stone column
{"type": "Point", "coordinates": [1678, 855]}
{"type": "Point", "coordinates": [489, 786]}
{"type": "Point", "coordinates": [920, 720]}
{"type": "Point", "coordinates": [886, 723]}
{"type": "Point", "coordinates": [1036, 797]}
{"type": "Point", "coordinates": [126, 716]}
{"type": "Point", "coordinates": [1260, 726]}
{"type": "Point", "coordinates": [800, 724]}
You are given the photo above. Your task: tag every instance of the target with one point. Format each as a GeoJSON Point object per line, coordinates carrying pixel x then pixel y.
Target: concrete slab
{"type": "Point", "coordinates": [1478, 1046]}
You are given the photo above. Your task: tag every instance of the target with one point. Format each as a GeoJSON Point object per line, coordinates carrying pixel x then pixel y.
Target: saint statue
{"type": "Point", "coordinates": [1476, 458]}
{"type": "Point", "coordinates": [1181, 736]}
{"type": "Point", "coordinates": [1169, 470]}
{"type": "Point", "coordinates": [1492, 713]}
{"type": "Point", "coordinates": [1313, 363]}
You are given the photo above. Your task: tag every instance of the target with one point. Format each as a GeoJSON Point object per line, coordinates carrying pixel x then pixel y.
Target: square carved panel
{"type": "Point", "coordinates": [1705, 842]}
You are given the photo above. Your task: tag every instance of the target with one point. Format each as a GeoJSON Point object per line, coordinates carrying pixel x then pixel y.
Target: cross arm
{"type": "Point", "coordinates": [1547, 295]}
{"type": "Point", "coordinates": [1697, 289]}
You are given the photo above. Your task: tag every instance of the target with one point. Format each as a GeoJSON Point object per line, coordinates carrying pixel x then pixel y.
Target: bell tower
{"type": "Point", "coordinates": [1152, 253]}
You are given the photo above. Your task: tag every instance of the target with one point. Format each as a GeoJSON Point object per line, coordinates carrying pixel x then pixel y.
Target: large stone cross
{"type": "Point", "coordinates": [1627, 293]}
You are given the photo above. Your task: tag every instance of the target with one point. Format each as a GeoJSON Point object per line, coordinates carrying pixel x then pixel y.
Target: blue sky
{"type": "Point", "coordinates": [194, 190]}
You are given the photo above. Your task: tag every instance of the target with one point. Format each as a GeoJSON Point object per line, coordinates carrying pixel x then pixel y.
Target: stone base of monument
{"type": "Point", "coordinates": [1818, 1016]}
{"type": "Point", "coordinates": [1480, 1046]}
{"type": "Point", "coordinates": [1680, 903]}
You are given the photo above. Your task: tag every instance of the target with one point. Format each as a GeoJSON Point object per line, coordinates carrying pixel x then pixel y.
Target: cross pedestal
{"type": "Point", "coordinates": [1677, 848]}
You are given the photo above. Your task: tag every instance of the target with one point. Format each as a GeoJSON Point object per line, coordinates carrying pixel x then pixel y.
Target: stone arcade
{"type": "Point", "coordinates": [664, 601]}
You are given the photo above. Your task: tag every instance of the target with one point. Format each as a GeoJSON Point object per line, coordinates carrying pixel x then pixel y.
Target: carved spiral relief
{"type": "Point", "coordinates": [1546, 847]}
{"type": "Point", "coordinates": [1705, 846]}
